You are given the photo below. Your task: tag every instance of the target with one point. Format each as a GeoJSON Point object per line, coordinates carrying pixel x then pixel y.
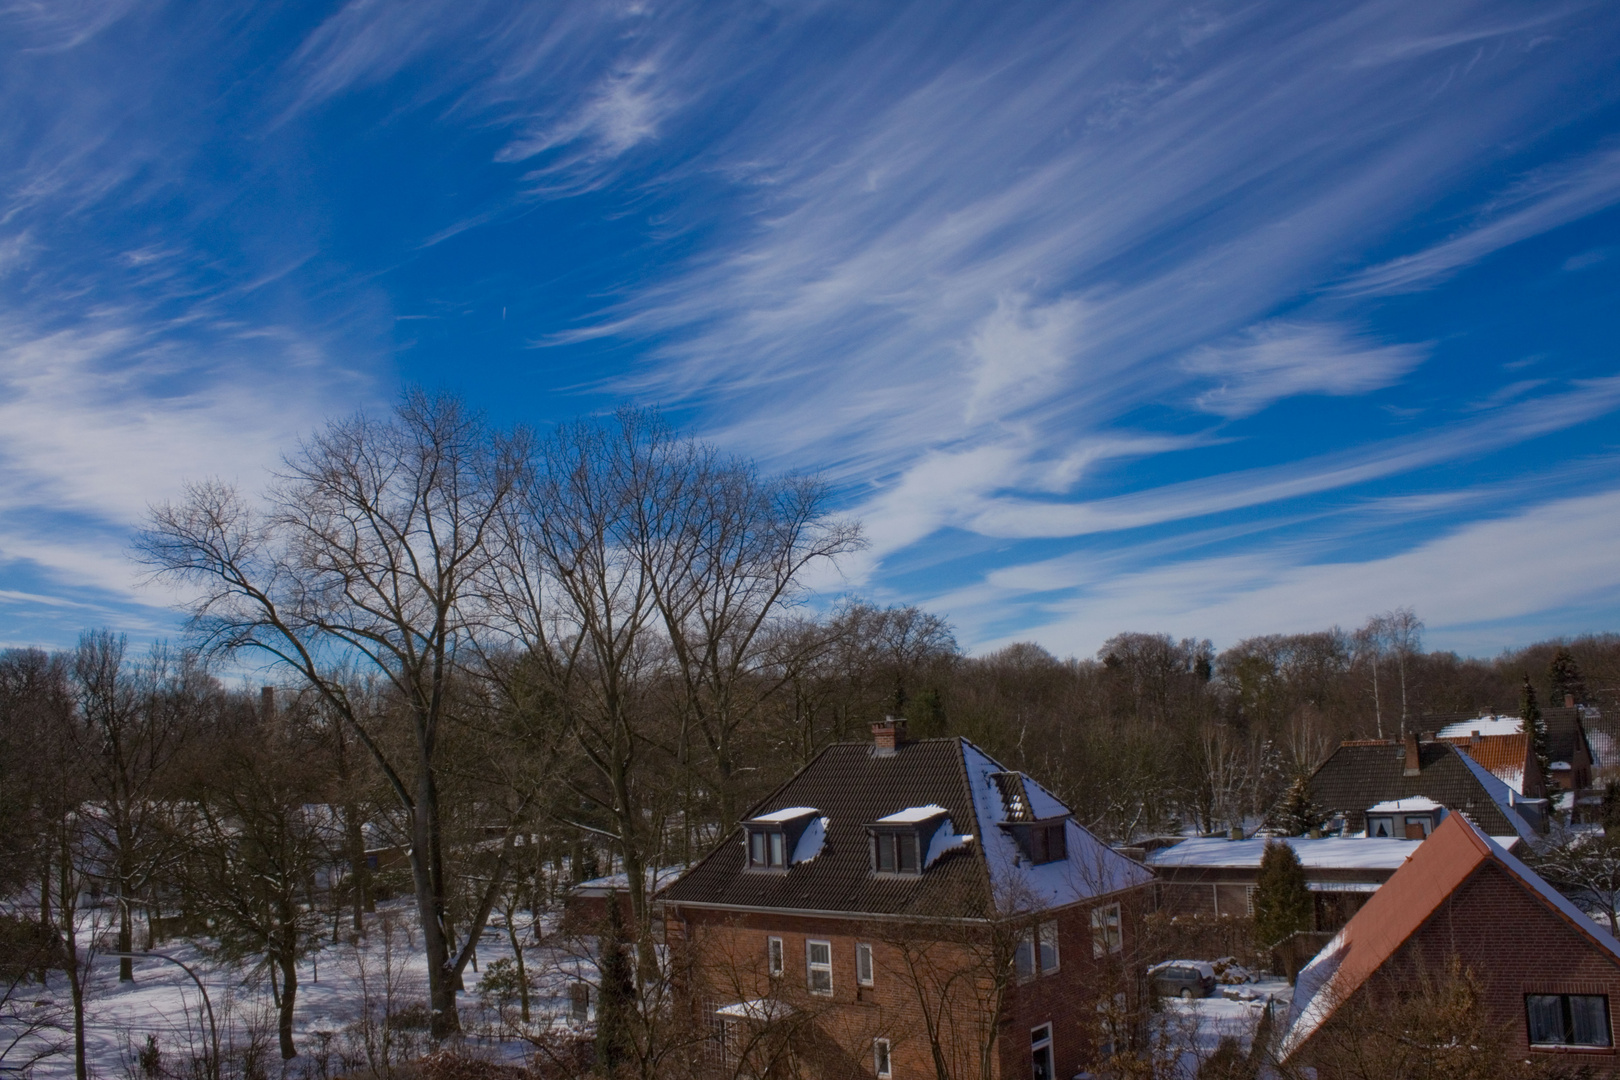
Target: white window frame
{"type": "Point", "coordinates": [1036, 1044]}
{"type": "Point", "coordinates": [775, 957]}
{"type": "Point", "coordinates": [1107, 930]}
{"type": "Point", "coordinates": [811, 967]}
{"type": "Point", "coordinates": [882, 1059]}
{"type": "Point", "coordinates": [1046, 935]}
{"type": "Point", "coordinates": [864, 973]}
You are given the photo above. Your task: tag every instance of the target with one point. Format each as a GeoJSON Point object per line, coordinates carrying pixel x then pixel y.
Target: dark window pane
{"type": "Point", "coordinates": [885, 842]}
{"type": "Point", "coordinates": [756, 843]}
{"type": "Point", "coordinates": [1546, 1016]}
{"type": "Point", "coordinates": [908, 853]}
{"type": "Point", "coordinates": [776, 849]}
{"type": "Point", "coordinates": [1057, 843]}
{"type": "Point", "coordinates": [1589, 1020]}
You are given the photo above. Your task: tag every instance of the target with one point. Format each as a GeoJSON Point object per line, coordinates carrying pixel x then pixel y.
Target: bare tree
{"type": "Point", "coordinates": [368, 558]}
{"type": "Point", "coordinates": [132, 722]}
{"type": "Point", "coordinates": [1404, 632]}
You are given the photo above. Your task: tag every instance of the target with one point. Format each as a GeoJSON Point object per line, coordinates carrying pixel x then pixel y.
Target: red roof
{"type": "Point", "coordinates": [1413, 893]}
{"type": "Point", "coordinates": [1504, 755]}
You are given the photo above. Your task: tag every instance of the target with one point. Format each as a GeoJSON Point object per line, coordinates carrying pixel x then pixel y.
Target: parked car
{"type": "Point", "coordinates": [1186, 979]}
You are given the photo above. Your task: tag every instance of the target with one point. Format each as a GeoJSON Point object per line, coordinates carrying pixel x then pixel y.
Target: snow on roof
{"type": "Point", "coordinates": [1327, 853]}
{"type": "Point", "coordinates": [810, 841]}
{"type": "Point", "coordinates": [757, 1009]}
{"type": "Point", "coordinates": [1483, 725]}
{"type": "Point", "coordinates": [1501, 794]}
{"type": "Point", "coordinates": [1203, 967]}
{"type": "Point", "coordinates": [1438, 867]}
{"type": "Point", "coordinates": [1092, 868]}
{"type": "Point", "coordinates": [1396, 806]}
{"type": "Point", "coordinates": [1559, 766]}
{"type": "Point", "coordinates": [776, 817]}
{"type": "Point", "coordinates": [911, 815]}
{"type": "Point", "coordinates": [620, 882]}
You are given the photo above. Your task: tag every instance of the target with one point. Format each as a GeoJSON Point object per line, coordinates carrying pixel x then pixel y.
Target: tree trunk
{"type": "Point", "coordinates": [359, 872]}
{"type": "Point", "coordinates": [289, 994]}
{"type": "Point", "coordinates": [517, 953]}
{"type": "Point", "coordinates": [126, 931]}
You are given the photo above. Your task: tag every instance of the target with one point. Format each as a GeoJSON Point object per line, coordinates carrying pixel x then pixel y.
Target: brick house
{"type": "Point", "coordinates": [1548, 974]}
{"type": "Point", "coordinates": [1383, 788]}
{"type": "Point", "coordinates": [902, 903]}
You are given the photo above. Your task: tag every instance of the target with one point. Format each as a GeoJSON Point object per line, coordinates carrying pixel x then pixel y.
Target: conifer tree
{"type": "Point", "coordinates": [1282, 903]}
{"type": "Point", "coordinates": [1564, 675]}
{"type": "Point", "coordinates": [1297, 813]}
{"type": "Point", "coordinates": [1535, 726]}
{"type": "Point", "coordinates": [616, 999]}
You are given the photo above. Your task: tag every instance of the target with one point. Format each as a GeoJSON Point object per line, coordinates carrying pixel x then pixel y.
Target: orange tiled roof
{"type": "Point", "coordinates": [1503, 755]}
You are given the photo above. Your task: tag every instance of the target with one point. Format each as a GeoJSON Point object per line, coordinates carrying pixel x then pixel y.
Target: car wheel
{"type": "Point", "coordinates": [1186, 993]}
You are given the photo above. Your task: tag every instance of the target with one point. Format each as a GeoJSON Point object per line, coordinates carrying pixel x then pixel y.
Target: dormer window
{"type": "Point", "coordinates": [896, 851]}
{"type": "Point", "coordinates": [907, 841]}
{"type": "Point", "coordinates": [1404, 819]}
{"type": "Point", "coordinates": [1041, 841]}
{"type": "Point", "coordinates": [774, 841]}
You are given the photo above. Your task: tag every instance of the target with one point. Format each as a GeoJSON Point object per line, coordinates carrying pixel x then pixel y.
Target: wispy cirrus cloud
{"type": "Point", "coordinates": [1277, 360]}
{"type": "Point", "coordinates": [1548, 199]}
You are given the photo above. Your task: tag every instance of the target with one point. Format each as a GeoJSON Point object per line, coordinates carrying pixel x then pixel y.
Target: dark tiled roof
{"type": "Point", "coordinates": [1358, 775]}
{"type": "Point", "coordinates": [853, 786]}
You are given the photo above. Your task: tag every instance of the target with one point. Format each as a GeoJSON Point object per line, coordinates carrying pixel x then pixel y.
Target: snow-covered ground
{"type": "Point", "coordinates": [1194, 1029]}
{"type": "Point", "coordinates": [344, 992]}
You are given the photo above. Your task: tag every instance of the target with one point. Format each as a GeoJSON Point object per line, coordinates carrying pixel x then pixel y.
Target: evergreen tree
{"type": "Point", "coordinates": [616, 999]}
{"type": "Point", "coordinates": [1282, 903]}
{"type": "Point", "coordinates": [1565, 676]}
{"type": "Point", "coordinates": [1297, 814]}
{"type": "Point", "coordinates": [1535, 726]}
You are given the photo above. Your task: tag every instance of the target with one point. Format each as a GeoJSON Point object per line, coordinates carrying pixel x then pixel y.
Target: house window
{"type": "Point", "coordinates": [818, 962]}
{"type": "Point", "coordinates": [1048, 843]}
{"type": "Point", "coordinates": [1040, 1053]}
{"type": "Point", "coordinates": [1106, 934]}
{"type": "Point", "coordinates": [773, 955]}
{"type": "Point", "coordinates": [1418, 827]}
{"type": "Point", "coordinates": [766, 848]}
{"type": "Point", "coordinates": [1037, 952]}
{"type": "Point", "coordinates": [896, 852]}
{"type": "Point", "coordinates": [863, 964]}
{"type": "Point", "coordinates": [1381, 827]}
{"type": "Point", "coordinates": [1048, 947]}
{"type": "Point", "coordinates": [880, 1059]}
{"type": "Point", "coordinates": [1568, 1019]}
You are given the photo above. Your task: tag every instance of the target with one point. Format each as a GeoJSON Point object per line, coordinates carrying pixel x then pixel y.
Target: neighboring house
{"type": "Point", "coordinates": [1548, 975]}
{"type": "Point", "coordinates": [585, 906]}
{"type": "Point", "coordinates": [1385, 789]}
{"type": "Point", "coordinates": [1216, 876]}
{"type": "Point", "coordinates": [904, 902]}
{"type": "Point", "coordinates": [1509, 757]}
{"type": "Point", "coordinates": [1568, 748]}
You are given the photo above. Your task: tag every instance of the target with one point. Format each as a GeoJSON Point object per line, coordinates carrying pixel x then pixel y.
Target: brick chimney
{"type": "Point", "coordinates": [888, 734]}
{"type": "Point", "coordinates": [1412, 767]}
{"type": "Point", "coordinates": [1569, 701]}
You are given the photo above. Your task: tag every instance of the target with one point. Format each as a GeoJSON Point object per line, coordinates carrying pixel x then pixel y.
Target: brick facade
{"type": "Point", "coordinates": [729, 952]}
{"type": "Point", "coordinates": [1515, 945]}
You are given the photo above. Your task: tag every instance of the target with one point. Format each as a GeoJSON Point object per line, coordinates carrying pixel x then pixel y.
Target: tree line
{"type": "Point", "coordinates": [510, 655]}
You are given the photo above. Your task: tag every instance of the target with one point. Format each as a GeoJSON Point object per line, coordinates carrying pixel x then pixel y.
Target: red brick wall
{"type": "Point", "coordinates": [730, 965]}
{"type": "Point", "coordinates": [1515, 946]}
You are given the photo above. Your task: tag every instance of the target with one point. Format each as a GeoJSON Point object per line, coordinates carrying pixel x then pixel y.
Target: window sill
{"type": "Point", "coordinates": [1570, 1048]}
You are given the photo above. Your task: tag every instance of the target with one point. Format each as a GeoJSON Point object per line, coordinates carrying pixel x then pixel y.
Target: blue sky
{"type": "Point", "coordinates": [1213, 320]}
